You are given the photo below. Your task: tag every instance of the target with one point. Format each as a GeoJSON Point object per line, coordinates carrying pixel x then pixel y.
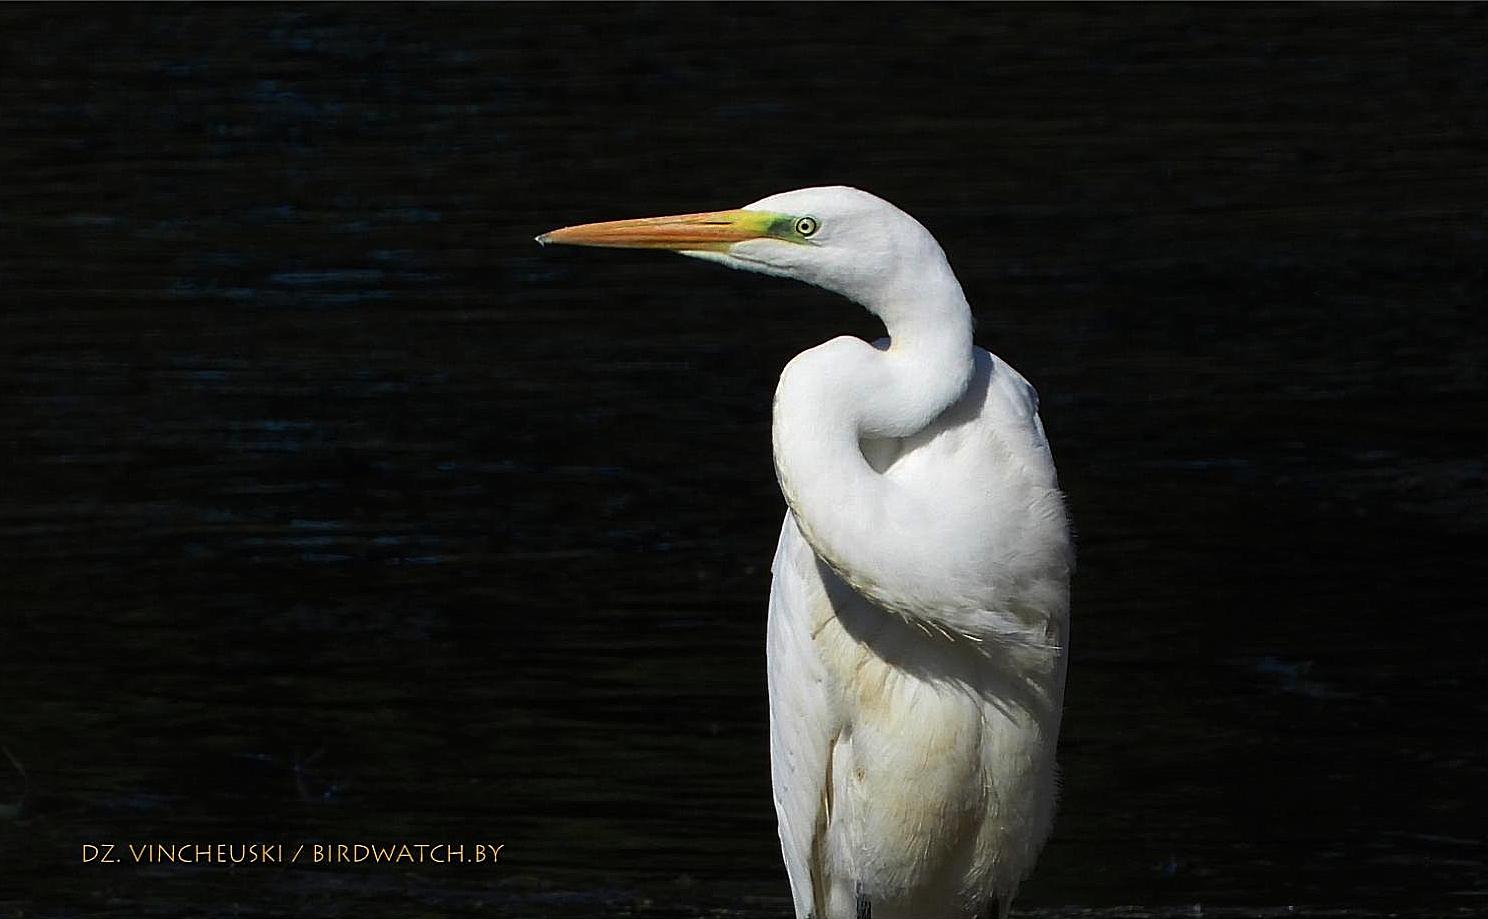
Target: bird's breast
{"type": "Point", "coordinates": [940, 766]}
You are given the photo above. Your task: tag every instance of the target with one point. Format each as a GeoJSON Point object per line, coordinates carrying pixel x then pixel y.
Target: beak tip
{"type": "Point", "coordinates": [543, 239]}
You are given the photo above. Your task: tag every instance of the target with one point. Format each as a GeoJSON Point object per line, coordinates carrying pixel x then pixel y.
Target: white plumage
{"type": "Point", "coordinates": [914, 764]}
{"type": "Point", "coordinates": [919, 613]}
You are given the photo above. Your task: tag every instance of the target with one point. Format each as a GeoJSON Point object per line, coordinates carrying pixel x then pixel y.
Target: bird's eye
{"type": "Point", "coordinates": [807, 225]}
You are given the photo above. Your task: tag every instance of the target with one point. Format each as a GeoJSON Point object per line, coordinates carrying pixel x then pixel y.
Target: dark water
{"type": "Point", "coordinates": [333, 509]}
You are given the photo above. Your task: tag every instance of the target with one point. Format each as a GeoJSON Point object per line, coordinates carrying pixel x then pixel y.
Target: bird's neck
{"type": "Point", "coordinates": [834, 396]}
{"type": "Point", "coordinates": [900, 543]}
{"type": "Point", "coordinates": [926, 366]}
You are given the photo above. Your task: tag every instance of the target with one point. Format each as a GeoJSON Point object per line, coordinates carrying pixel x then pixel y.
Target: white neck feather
{"type": "Point", "coordinates": [904, 548]}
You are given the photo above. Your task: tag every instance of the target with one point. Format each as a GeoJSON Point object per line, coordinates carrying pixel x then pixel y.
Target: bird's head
{"type": "Point", "coordinates": [838, 238]}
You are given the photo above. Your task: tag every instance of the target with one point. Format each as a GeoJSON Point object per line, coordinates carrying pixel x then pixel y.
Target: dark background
{"type": "Point", "coordinates": [334, 509]}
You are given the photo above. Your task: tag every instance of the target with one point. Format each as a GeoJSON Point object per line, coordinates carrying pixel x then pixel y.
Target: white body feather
{"type": "Point", "coordinates": [912, 765]}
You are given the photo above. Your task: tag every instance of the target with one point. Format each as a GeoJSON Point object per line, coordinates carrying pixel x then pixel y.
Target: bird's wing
{"type": "Point", "coordinates": [802, 723]}
{"type": "Point", "coordinates": [1014, 403]}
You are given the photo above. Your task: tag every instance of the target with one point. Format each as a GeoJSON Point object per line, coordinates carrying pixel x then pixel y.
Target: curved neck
{"type": "Point", "coordinates": [832, 397]}
{"type": "Point", "coordinates": [925, 368]}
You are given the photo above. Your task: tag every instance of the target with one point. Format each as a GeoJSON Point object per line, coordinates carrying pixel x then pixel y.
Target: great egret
{"type": "Point", "coordinates": [920, 607]}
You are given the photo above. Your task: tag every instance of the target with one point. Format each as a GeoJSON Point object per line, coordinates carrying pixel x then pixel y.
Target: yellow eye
{"type": "Point", "coordinates": [805, 226]}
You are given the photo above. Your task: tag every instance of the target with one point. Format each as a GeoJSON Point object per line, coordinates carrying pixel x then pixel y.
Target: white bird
{"type": "Point", "coordinates": [919, 614]}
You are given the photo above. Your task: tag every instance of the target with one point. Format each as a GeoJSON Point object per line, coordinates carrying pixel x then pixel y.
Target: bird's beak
{"type": "Point", "coordinates": [711, 232]}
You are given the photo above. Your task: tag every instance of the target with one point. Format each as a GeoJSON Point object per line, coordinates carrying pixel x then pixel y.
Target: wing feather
{"type": "Point", "coordinates": [802, 723]}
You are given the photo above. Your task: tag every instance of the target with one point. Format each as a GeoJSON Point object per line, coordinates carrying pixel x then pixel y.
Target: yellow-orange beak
{"type": "Point", "coordinates": [714, 231]}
